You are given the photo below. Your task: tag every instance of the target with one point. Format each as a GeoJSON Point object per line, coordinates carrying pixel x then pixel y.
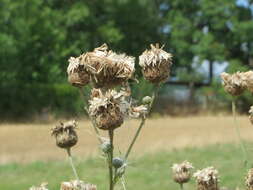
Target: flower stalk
{"type": "Point", "coordinates": [72, 163]}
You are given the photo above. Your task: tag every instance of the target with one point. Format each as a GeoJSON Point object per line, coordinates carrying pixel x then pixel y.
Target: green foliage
{"type": "Point", "coordinates": [147, 172]}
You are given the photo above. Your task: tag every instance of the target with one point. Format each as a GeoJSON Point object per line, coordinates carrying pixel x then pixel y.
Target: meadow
{"type": "Point", "coordinates": [29, 155]}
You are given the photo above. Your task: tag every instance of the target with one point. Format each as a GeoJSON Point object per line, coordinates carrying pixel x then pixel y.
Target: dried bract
{"type": "Point", "coordinates": [107, 109]}
{"type": "Point", "coordinates": [207, 179]}
{"type": "Point", "coordinates": [43, 186]}
{"type": "Point", "coordinates": [65, 134]}
{"type": "Point", "coordinates": [77, 73]}
{"type": "Point", "coordinates": [249, 179]}
{"type": "Point", "coordinates": [77, 185]}
{"type": "Point", "coordinates": [234, 84]}
{"type": "Point", "coordinates": [107, 68]}
{"type": "Point", "coordinates": [155, 64]}
{"type": "Point", "coordinates": [182, 172]}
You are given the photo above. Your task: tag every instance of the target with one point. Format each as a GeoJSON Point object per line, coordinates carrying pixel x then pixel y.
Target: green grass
{"type": "Point", "coordinates": [149, 172]}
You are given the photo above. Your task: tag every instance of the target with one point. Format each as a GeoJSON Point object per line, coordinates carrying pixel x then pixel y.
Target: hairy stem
{"type": "Point", "coordinates": [71, 163]}
{"type": "Point", "coordinates": [143, 119]}
{"type": "Point", "coordinates": [110, 157]}
{"type": "Point", "coordinates": [244, 151]}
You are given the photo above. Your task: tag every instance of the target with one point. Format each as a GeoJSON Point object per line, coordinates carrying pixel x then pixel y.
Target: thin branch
{"type": "Point", "coordinates": [72, 163]}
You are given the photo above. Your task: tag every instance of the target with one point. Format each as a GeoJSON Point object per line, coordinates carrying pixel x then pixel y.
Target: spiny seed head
{"type": "Point", "coordinates": [234, 84]}
{"type": "Point", "coordinates": [117, 162]}
{"type": "Point", "coordinates": [43, 186]}
{"type": "Point", "coordinates": [77, 74]}
{"type": "Point", "coordinates": [146, 100]}
{"type": "Point", "coordinates": [107, 109]}
{"type": "Point", "coordinates": [77, 185]}
{"type": "Point", "coordinates": [65, 134]}
{"type": "Point", "coordinates": [107, 68]}
{"type": "Point", "coordinates": [249, 180]}
{"type": "Point", "coordinates": [207, 179]}
{"type": "Point", "coordinates": [182, 172]}
{"type": "Point", "coordinates": [155, 64]}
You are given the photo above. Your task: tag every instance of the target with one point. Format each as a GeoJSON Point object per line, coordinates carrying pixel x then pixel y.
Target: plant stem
{"type": "Point", "coordinates": [71, 163]}
{"type": "Point", "coordinates": [143, 119]}
{"type": "Point", "coordinates": [181, 186]}
{"type": "Point", "coordinates": [238, 134]}
{"type": "Point", "coordinates": [110, 157]}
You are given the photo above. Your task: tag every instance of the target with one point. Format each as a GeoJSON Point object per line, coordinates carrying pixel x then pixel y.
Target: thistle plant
{"type": "Point", "coordinates": [182, 173]}
{"type": "Point", "coordinates": [207, 179]}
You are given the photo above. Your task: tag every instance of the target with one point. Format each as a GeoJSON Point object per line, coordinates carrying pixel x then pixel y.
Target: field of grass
{"type": "Point", "coordinates": [150, 171]}
{"type": "Point", "coordinates": [28, 155]}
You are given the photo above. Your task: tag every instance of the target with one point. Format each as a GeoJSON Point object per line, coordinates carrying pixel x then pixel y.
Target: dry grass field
{"type": "Point", "coordinates": [30, 142]}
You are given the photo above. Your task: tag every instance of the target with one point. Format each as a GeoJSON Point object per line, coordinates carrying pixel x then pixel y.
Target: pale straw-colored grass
{"type": "Point", "coordinates": [30, 142]}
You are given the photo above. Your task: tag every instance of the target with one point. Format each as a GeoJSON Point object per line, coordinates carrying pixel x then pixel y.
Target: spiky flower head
{"type": "Point", "coordinates": [234, 84]}
{"type": "Point", "coordinates": [107, 68]}
{"type": "Point", "coordinates": [43, 186]}
{"type": "Point", "coordinates": [107, 108]}
{"type": "Point", "coordinates": [65, 134]}
{"type": "Point", "coordinates": [207, 179]}
{"type": "Point", "coordinates": [182, 172]}
{"type": "Point", "coordinates": [77, 185]}
{"type": "Point", "coordinates": [249, 180]}
{"type": "Point", "coordinates": [156, 64]}
{"type": "Point", "coordinates": [77, 73]}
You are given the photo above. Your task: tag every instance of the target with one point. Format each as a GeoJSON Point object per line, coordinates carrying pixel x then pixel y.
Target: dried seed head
{"type": "Point", "coordinates": [107, 109]}
{"type": "Point", "coordinates": [155, 64]}
{"type": "Point", "coordinates": [251, 114]}
{"type": "Point", "coordinates": [249, 180]}
{"type": "Point", "coordinates": [77, 74]}
{"type": "Point", "coordinates": [77, 185]}
{"type": "Point", "coordinates": [207, 179]}
{"type": "Point", "coordinates": [107, 68]}
{"type": "Point", "coordinates": [247, 78]}
{"type": "Point", "coordinates": [182, 172]}
{"type": "Point", "coordinates": [43, 186]}
{"type": "Point", "coordinates": [65, 134]}
{"type": "Point", "coordinates": [117, 162]}
{"type": "Point", "coordinates": [234, 84]}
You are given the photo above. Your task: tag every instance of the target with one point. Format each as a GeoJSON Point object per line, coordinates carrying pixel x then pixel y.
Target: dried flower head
{"type": "Point", "coordinates": [234, 84]}
{"type": "Point", "coordinates": [155, 64]}
{"type": "Point", "coordinates": [77, 73]}
{"type": "Point", "coordinates": [65, 134]}
{"type": "Point", "coordinates": [251, 114]}
{"type": "Point", "coordinates": [43, 186]}
{"type": "Point", "coordinates": [207, 179]}
{"type": "Point", "coordinates": [249, 179]}
{"type": "Point", "coordinates": [107, 68]}
{"type": "Point", "coordinates": [107, 109]}
{"type": "Point", "coordinates": [247, 78]}
{"type": "Point", "coordinates": [77, 185]}
{"type": "Point", "coordinates": [182, 172]}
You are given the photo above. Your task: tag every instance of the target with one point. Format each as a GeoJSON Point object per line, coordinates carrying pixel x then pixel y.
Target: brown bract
{"type": "Point", "coordinates": [107, 68]}
{"type": "Point", "coordinates": [65, 134]}
{"type": "Point", "coordinates": [77, 185]}
{"type": "Point", "coordinates": [156, 64]}
{"type": "Point", "coordinates": [107, 108]}
{"type": "Point", "coordinates": [182, 172]}
{"type": "Point", "coordinates": [234, 84]}
{"type": "Point", "coordinates": [249, 180]}
{"type": "Point", "coordinates": [207, 179]}
{"type": "Point", "coordinates": [77, 73]}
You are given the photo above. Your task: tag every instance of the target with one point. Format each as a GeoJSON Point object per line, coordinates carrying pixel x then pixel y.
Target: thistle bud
{"type": "Point", "coordinates": [106, 147]}
{"type": "Point", "coordinates": [146, 100]}
{"type": "Point", "coordinates": [77, 185]}
{"type": "Point", "coordinates": [43, 186]}
{"type": "Point", "coordinates": [117, 162]}
{"type": "Point", "coordinates": [65, 134]}
{"type": "Point", "coordinates": [156, 64]}
{"type": "Point", "coordinates": [207, 179]}
{"type": "Point", "coordinates": [182, 172]}
{"type": "Point", "coordinates": [249, 180]}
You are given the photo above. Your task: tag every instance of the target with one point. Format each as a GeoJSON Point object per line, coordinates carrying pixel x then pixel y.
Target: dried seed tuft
{"type": "Point", "coordinates": [182, 172]}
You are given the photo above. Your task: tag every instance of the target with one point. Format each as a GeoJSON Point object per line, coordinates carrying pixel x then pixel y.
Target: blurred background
{"type": "Point", "coordinates": [191, 119]}
{"type": "Point", "coordinates": [37, 38]}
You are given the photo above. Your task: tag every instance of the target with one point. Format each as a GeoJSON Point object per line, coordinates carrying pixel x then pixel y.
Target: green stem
{"type": "Point", "coordinates": [143, 119]}
{"type": "Point", "coordinates": [181, 186]}
{"type": "Point", "coordinates": [238, 133]}
{"type": "Point", "coordinates": [71, 163]}
{"type": "Point", "coordinates": [110, 157]}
